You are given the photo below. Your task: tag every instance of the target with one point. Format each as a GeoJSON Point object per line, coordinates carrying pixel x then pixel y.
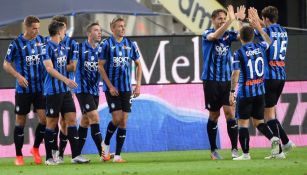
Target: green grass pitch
{"type": "Point", "coordinates": [168, 163]}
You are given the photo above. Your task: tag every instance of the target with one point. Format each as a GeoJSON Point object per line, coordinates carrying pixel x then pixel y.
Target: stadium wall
{"type": "Point", "coordinates": [170, 115]}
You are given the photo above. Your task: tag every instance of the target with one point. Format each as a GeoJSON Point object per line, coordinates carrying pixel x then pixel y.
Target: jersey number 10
{"type": "Point", "coordinates": [255, 67]}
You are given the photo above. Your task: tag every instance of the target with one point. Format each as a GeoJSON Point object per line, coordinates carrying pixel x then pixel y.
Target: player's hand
{"type": "Point", "coordinates": [232, 98]}
{"type": "Point", "coordinates": [240, 15]}
{"type": "Point", "coordinates": [136, 91]}
{"type": "Point", "coordinates": [113, 91]}
{"type": "Point", "coordinates": [255, 24]}
{"type": "Point", "coordinates": [230, 13]}
{"type": "Point", "coordinates": [252, 12]}
{"type": "Point", "coordinates": [22, 81]}
{"type": "Point", "coordinates": [71, 83]}
{"type": "Point", "coordinates": [254, 19]}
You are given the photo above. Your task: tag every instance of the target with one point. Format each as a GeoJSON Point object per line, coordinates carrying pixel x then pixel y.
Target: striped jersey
{"type": "Point", "coordinates": [58, 55]}
{"type": "Point", "coordinates": [276, 54]}
{"type": "Point", "coordinates": [217, 56]}
{"type": "Point", "coordinates": [118, 57]}
{"type": "Point", "coordinates": [249, 59]}
{"type": "Point", "coordinates": [87, 73]}
{"type": "Point", "coordinates": [71, 50]}
{"type": "Point", "coordinates": [27, 57]}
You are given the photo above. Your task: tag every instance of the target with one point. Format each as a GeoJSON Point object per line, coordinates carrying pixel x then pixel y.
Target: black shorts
{"type": "Point", "coordinates": [273, 89]}
{"type": "Point", "coordinates": [250, 107]}
{"type": "Point", "coordinates": [216, 94]}
{"type": "Point", "coordinates": [59, 103]}
{"type": "Point", "coordinates": [23, 102]}
{"type": "Point", "coordinates": [120, 102]}
{"type": "Point", "coordinates": [87, 102]}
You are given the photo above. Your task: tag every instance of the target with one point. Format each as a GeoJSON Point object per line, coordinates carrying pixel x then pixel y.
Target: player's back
{"type": "Point", "coordinates": [276, 54]}
{"type": "Point", "coordinates": [249, 59]}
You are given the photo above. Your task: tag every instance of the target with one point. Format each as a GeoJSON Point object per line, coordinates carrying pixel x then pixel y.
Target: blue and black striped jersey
{"type": "Point", "coordinates": [276, 54]}
{"type": "Point", "coordinates": [27, 57]}
{"type": "Point", "coordinates": [58, 55]}
{"type": "Point", "coordinates": [72, 52]}
{"type": "Point", "coordinates": [119, 58]}
{"type": "Point", "coordinates": [87, 73]}
{"type": "Point", "coordinates": [249, 59]}
{"type": "Point", "coordinates": [217, 56]}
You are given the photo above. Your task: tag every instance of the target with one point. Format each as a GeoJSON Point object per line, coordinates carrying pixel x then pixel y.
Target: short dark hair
{"type": "Point", "coordinates": [271, 13]}
{"type": "Point", "coordinates": [89, 27]}
{"type": "Point", "coordinates": [62, 19]}
{"type": "Point", "coordinates": [247, 34]}
{"type": "Point", "coordinates": [54, 27]}
{"type": "Point", "coordinates": [115, 20]}
{"type": "Point", "coordinates": [29, 20]}
{"type": "Point", "coordinates": [216, 12]}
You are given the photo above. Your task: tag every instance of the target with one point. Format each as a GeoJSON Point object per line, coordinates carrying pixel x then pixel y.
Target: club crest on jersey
{"type": "Point", "coordinates": [51, 111]}
{"type": "Point", "coordinates": [32, 51]}
{"type": "Point", "coordinates": [221, 49]}
{"type": "Point", "coordinates": [43, 51]}
{"type": "Point", "coordinates": [120, 53]}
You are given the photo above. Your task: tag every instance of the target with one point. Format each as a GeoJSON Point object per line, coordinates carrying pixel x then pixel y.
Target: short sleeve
{"type": "Point", "coordinates": [233, 36]}
{"type": "Point", "coordinates": [206, 33]}
{"type": "Point", "coordinates": [10, 52]}
{"type": "Point", "coordinates": [236, 61]}
{"type": "Point", "coordinates": [100, 51]}
{"type": "Point", "coordinates": [257, 34]}
{"type": "Point", "coordinates": [135, 52]}
{"type": "Point", "coordinates": [104, 50]}
{"type": "Point", "coordinates": [75, 50]}
{"type": "Point", "coordinates": [263, 45]}
{"type": "Point", "coordinates": [48, 53]}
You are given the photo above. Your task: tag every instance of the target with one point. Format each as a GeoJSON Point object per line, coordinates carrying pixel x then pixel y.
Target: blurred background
{"type": "Point", "coordinates": [292, 14]}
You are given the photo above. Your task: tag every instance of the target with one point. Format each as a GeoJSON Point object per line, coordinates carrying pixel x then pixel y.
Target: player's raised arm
{"type": "Point", "coordinates": [224, 21]}
{"type": "Point", "coordinates": [255, 23]}
{"type": "Point", "coordinates": [240, 16]}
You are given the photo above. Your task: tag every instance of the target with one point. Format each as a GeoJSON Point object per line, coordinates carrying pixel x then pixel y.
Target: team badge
{"type": "Point", "coordinates": [112, 105]}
